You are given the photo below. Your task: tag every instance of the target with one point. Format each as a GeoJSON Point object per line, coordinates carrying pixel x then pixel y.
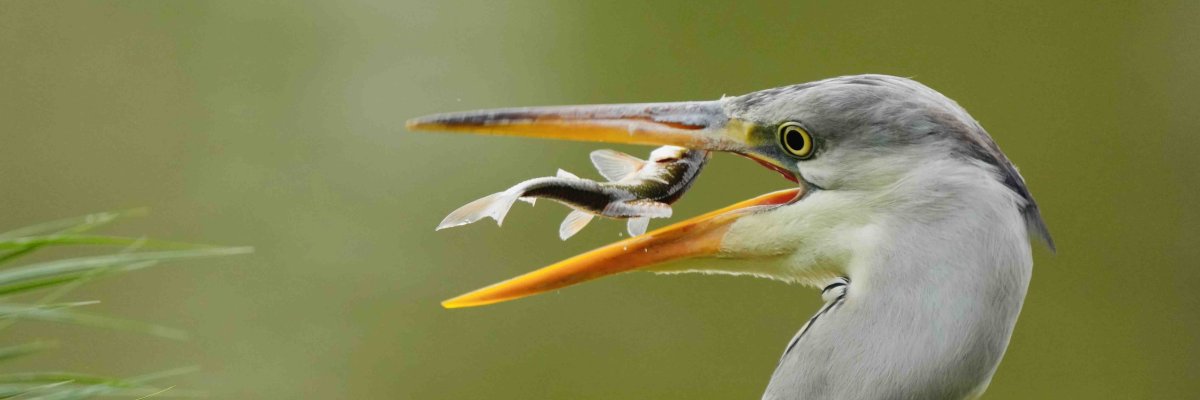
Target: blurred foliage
{"type": "Point", "coordinates": [280, 124]}
{"type": "Point", "coordinates": [46, 282]}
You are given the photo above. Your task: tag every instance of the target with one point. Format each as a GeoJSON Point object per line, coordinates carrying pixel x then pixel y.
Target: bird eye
{"type": "Point", "coordinates": [795, 140]}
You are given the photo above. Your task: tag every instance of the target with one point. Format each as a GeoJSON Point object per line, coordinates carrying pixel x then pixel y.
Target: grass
{"type": "Point", "coordinates": [34, 291]}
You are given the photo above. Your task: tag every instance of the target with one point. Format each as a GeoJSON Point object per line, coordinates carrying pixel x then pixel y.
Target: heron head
{"type": "Point", "coordinates": [873, 135]}
{"type": "Point", "coordinates": [861, 132]}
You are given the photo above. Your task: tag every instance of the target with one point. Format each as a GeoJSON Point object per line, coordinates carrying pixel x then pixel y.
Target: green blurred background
{"type": "Point", "coordinates": [280, 125]}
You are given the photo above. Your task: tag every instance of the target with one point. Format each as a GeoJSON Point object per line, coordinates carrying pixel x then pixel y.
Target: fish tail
{"type": "Point", "coordinates": [495, 206]}
{"type": "Point", "coordinates": [574, 222]}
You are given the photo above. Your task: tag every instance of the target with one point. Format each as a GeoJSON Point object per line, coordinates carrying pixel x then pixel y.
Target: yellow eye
{"type": "Point", "coordinates": [795, 140]}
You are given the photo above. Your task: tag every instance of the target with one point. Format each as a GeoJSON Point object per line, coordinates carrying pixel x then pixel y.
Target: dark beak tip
{"type": "Point", "coordinates": [419, 123]}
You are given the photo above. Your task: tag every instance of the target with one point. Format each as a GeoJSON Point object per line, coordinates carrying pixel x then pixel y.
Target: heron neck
{"type": "Point", "coordinates": [962, 273]}
{"type": "Point", "coordinates": [958, 234]}
{"type": "Point", "coordinates": [938, 267]}
{"type": "Point", "coordinates": [941, 288]}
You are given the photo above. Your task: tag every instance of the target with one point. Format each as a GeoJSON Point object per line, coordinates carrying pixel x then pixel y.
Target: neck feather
{"type": "Point", "coordinates": [937, 279]}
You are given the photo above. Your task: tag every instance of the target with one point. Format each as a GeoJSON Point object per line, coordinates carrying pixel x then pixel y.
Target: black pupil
{"type": "Point", "coordinates": [794, 139]}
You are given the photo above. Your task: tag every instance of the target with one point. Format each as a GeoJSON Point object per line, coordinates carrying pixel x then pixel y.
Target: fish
{"type": "Point", "coordinates": [636, 190]}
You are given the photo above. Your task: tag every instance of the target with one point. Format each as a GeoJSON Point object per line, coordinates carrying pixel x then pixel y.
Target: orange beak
{"type": "Point", "coordinates": [696, 125]}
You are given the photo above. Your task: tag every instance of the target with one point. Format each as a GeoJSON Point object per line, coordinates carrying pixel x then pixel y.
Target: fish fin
{"type": "Point", "coordinates": [637, 226]}
{"type": "Point", "coordinates": [615, 165]}
{"type": "Point", "coordinates": [495, 206]}
{"type": "Point", "coordinates": [574, 222]}
{"type": "Point", "coordinates": [646, 208]}
{"type": "Point", "coordinates": [531, 200]}
{"type": "Point", "coordinates": [564, 174]}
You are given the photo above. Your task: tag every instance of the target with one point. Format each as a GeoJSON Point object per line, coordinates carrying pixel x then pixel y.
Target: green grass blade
{"type": "Point", "coordinates": [24, 349]}
{"type": "Point", "coordinates": [72, 225]}
{"type": "Point", "coordinates": [71, 265]}
{"type": "Point", "coordinates": [160, 375]}
{"type": "Point", "coordinates": [15, 247]}
{"type": "Point", "coordinates": [67, 390]}
{"type": "Point", "coordinates": [42, 283]}
{"type": "Point", "coordinates": [6, 255]}
{"type": "Point", "coordinates": [94, 240]}
{"type": "Point", "coordinates": [16, 391]}
{"type": "Point", "coordinates": [51, 377]}
{"type": "Point", "coordinates": [89, 392]}
{"type": "Point", "coordinates": [68, 385]}
{"type": "Point", "coordinates": [14, 309]}
{"type": "Point", "coordinates": [29, 285]}
{"type": "Point", "coordinates": [60, 313]}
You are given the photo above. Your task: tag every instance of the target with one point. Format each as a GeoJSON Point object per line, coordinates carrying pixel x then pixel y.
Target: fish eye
{"type": "Point", "coordinates": [795, 140]}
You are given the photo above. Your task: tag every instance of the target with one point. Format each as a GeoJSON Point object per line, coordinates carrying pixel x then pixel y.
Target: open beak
{"type": "Point", "coordinates": [695, 125]}
{"type": "Point", "coordinates": [697, 237]}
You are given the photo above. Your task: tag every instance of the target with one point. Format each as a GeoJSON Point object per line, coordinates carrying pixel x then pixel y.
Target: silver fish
{"type": "Point", "coordinates": [636, 190]}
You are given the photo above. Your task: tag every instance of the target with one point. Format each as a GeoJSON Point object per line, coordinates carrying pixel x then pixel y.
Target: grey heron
{"type": "Point", "coordinates": [906, 212]}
